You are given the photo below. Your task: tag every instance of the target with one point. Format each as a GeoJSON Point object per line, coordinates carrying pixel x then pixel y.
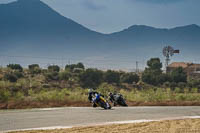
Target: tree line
{"type": "Point", "coordinates": [92, 78]}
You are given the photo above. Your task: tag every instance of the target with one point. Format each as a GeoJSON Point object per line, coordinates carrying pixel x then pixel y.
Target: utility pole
{"type": "Point", "coordinates": [62, 62]}
{"type": "Point", "coordinates": [137, 69]}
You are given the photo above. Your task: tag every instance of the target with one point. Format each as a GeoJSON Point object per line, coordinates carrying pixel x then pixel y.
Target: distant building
{"type": "Point", "coordinates": [192, 69]}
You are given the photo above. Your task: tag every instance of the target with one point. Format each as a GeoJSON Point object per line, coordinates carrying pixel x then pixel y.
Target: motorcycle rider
{"type": "Point", "coordinates": [92, 97]}
{"type": "Point", "coordinates": [114, 97]}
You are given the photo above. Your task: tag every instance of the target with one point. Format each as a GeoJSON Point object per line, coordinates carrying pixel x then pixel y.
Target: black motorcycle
{"type": "Point", "coordinates": [117, 99]}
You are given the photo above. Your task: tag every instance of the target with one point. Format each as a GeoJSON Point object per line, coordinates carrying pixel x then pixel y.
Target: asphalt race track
{"type": "Point", "coordinates": [78, 116]}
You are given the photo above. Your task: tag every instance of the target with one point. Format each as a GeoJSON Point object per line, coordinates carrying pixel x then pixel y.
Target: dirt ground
{"type": "Point", "coordinates": [168, 126]}
{"type": "Point", "coordinates": [30, 104]}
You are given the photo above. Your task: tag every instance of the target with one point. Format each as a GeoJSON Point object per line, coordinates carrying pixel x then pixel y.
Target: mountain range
{"type": "Point", "coordinates": [32, 28]}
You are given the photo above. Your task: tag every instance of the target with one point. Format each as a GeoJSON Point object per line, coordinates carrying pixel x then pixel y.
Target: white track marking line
{"type": "Point", "coordinates": [105, 123]}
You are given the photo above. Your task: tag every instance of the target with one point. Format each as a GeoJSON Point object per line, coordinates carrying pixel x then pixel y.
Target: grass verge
{"type": "Point", "coordinates": [78, 97]}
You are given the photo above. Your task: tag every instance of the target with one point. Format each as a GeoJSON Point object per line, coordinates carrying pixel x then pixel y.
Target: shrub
{"type": "Point", "coordinates": [193, 83]}
{"type": "Point", "coordinates": [181, 85]}
{"type": "Point", "coordinates": [54, 68]}
{"type": "Point", "coordinates": [166, 84]}
{"type": "Point", "coordinates": [10, 77]}
{"type": "Point", "coordinates": [13, 76]}
{"type": "Point", "coordinates": [181, 97]}
{"type": "Point", "coordinates": [4, 95]}
{"type": "Point", "coordinates": [23, 84]}
{"type": "Point", "coordinates": [15, 67]}
{"type": "Point", "coordinates": [64, 75]}
{"type": "Point", "coordinates": [73, 66]}
{"type": "Point", "coordinates": [52, 76]}
{"type": "Point", "coordinates": [78, 70]}
{"type": "Point", "coordinates": [112, 77]}
{"type": "Point", "coordinates": [19, 96]}
{"type": "Point", "coordinates": [178, 75]}
{"type": "Point", "coordinates": [33, 66]}
{"type": "Point", "coordinates": [104, 88]}
{"type": "Point", "coordinates": [1, 76]}
{"type": "Point", "coordinates": [54, 95]}
{"type": "Point", "coordinates": [34, 69]}
{"type": "Point", "coordinates": [173, 86]}
{"type": "Point", "coordinates": [91, 78]}
{"type": "Point", "coordinates": [130, 78]}
{"type": "Point", "coordinates": [18, 74]}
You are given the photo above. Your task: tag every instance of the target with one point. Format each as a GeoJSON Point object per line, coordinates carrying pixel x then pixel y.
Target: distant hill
{"type": "Point", "coordinates": [32, 28]}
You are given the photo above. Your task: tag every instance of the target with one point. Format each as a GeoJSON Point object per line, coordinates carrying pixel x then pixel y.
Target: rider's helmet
{"type": "Point", "coordinates": [96, 94]}
{"type": "Point", "coordinates": [110, 94]}
{"type": "Point", "coordinates": [90, 90]}
{"type": "Point", "coordinates": [120, 94]}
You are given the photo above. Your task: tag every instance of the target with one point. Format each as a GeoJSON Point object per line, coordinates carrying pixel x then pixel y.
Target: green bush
{"type": "Point", "coordinates": [10, 77]}
{"type": "Point", "coordinates": [54, 68]}
{"type": "Point", "coordinates": [75, 66]}
{"type": "Point", "coordinates": [13, 76]}
{"type": "Point", "coordinates": [112, 77]}
{"type": "Point", "coordinates": [18, 74]}
{"type": "Point", "coordinates": [178, 75]}
{"type": "Point", "coordinates": [193, 83]}
{"type": "Point", "coordinates": [52, 76]}
{"type": "Point", "coordinates": [34, 84]}
{"type": "Point", "coordinates": [104, 88]}
{"type": "Point", "coordinates": [54, 95]}
{"type": "Point", "coordinates": [34, 69]}
{"type": "Point", "coordinates": [173, 86]}
{"type": "Point", "coordinates": [15, 67]}
{"type": "Point", "coordinates": [181, 97]}
{"type": "Point", "coordinates": [91, 78]}
{"type": "Point", "coordinates": [181, 85]}
{"type": "Point", "coordinates": [4, 95]}
{"type": "Point", "coordinates": [33, 66]}
{"type": "Point", "coordinates": [166, 84]}
{"type": "Point", "coordinates": [64, 75]}
{"type": "Point", "coordinates": [130, 78]}
{"type": "Point", "coordinates": [78, 70]}
{"type": "Point", "coordinates": [19, 96]}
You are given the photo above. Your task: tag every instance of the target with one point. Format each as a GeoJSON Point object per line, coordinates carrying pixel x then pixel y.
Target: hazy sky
{"type": "Point", "coordinates": [114, 15]}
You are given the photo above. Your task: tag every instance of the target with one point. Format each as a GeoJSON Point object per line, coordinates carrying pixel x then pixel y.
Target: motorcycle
{"type": "Point", "coordinates": [101, 101]}
{"type": "Point", "coordinates": [118, 99]}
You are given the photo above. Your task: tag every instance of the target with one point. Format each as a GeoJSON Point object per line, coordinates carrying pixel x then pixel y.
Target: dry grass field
{"type": "Point", "coordinates": [167, 126]}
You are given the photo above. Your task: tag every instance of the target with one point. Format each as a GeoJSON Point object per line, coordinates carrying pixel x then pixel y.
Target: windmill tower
{"type": "Point", "coordinates": [168, 52]}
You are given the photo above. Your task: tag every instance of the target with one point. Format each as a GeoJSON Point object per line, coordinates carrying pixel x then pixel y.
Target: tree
{"type": "Point", "coordinates": [130, 78]}
{"type": "Point", "coordinates": [178, 75]}
{"type": "Point", "coordinates": [75, 66]}
{"type": "Point", "coordinates": [112, 77]}
{"type": "Point", "coordinates": [91, 78]}
{"type": "Point", "coordinates": [13, 76]}
{"type": "Point", "coordinates": [153, 73]}
{"type": "Point", "coordinates": [34, 69]}
{"type": "Point", "coordinates": [15, 67]}
{"type": "Point", "coordinates": [10, 77]}
{"type": "Point", "coordinates": [80, 65]}
{"type": "Point", "coordinates": [64, 75]}
{"type": "Point", "coordinates": [154, 64]}
{"type": "Point", "coordinates": [52, 76]}
{"type": "Point", "coordinates": [33, 66]}
{"type": "Point", "coordinates": [54, 68]}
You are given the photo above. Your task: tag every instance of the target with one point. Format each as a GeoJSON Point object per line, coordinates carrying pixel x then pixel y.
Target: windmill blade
{"type": "Point", "coordinates": [176, 51]}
